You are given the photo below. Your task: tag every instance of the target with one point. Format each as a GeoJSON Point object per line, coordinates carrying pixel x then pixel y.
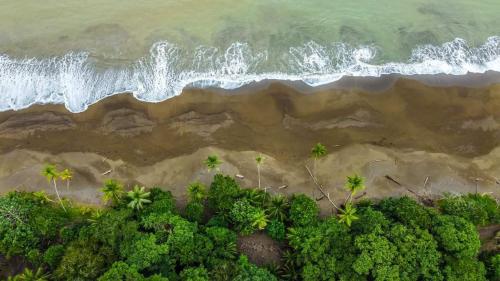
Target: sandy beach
{"type": "Point", "coordinates": [406, 138]}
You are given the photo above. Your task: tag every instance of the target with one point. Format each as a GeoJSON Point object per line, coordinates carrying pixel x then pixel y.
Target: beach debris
{"type": "Point", "coordinates": [360, 196]}
{"type": "Point", "coordinates": [283, 186]}
{"type": "Point", "coordinates": [107, 172]}
{"type": "Point", "coordinates": [425, 182]}
{"type": "Point", "coordinates": [239, 176]}
{"type": "Point", "coordinates": [318, 185]}
{"type": "Point", "coordinates": [393, 180]}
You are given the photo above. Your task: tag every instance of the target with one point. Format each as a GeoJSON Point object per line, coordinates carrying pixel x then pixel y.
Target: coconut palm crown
{"type": "Point", "coordinates": [196, 191]}
{"type": "Point", "coordinates": [113, 190]}
{"type": "Point", "coordinates": [212, 162]}
{"type": "Point", "coordinates": [138, 197]}
{"type": "Point", "coordinates": [348, 214]}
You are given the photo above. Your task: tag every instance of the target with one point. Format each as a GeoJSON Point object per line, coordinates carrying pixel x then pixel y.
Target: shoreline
{"type": "Point", "coordinates": [409, 131]}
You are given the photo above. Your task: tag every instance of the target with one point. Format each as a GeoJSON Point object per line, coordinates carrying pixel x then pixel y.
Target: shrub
{"type": "Point", "coordinates": [53, 255]}
{"type": "Point", "coordinates": [476, 208]}
{"type": "Point", "coordinates": [194, 211]}
{"type": "Point", "coordinates": [194, 274]}
{"type": "Point", "coordinates": [303, 211]}
{"type": "Point", "coordinates": [276, 230]}
{"type": "Point", "coordinates": [222, 194]}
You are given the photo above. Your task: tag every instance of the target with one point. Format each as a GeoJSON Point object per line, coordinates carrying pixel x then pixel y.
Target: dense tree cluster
{"type": "Point", "coordinates": [141, 235]}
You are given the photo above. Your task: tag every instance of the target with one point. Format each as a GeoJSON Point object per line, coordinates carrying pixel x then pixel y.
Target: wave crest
{"type": "Point", "coordinates": [74, 80]}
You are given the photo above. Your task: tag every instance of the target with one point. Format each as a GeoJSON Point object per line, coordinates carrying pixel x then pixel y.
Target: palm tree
{"type": "Point", "coordinates": [317, 152]}
{"type": "Point", "coordinates": [259, 220]}
{"type": "Point", "coordinates": [278, 206]}
{"type": "Point", "coordinates": [212, 162]}
{"type": "Point", "coordinates": [259, 160]}
{"type": "Point", "coordinates": [50, 173]}
{"type": "Point", "coordinates": [354, 184]}
{"type": "Point", "coordinates": [66, 175]}
{"type": "Point", "coordinates": [29, 275]}
{"type": "Point", "coordinates": [138, 197]}
{"type": "Point", "coordinates": [113, 190]}
{"type": "Point", "coordinates": [347, 215]}
{"type": "Point", "coordinates": [196, 191]}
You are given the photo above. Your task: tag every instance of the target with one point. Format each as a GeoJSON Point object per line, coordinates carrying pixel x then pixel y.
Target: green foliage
{"type": "Point", "coordinates": [278, 207]}
{"type": "Point", "coordinates": [222, 194]}
{"type": "Point", "coordinates": [113, 191]}
{"type": "Point", "coordinates": [194, 274]}
{"type": "Point", "coordinates": [53, 255]}
{"type": "Point", "coordinates": [247, 218]}
{"type": "Point", "coordinates": [83, 261]}
{"type": "Point", "coordinates": [396, 239]}
{"type": "Point", "coordinates": [456, 236]}
{"type": "Point", "coordinates": [276, 230]}
{"type": "Point", "coordinates": [494, 267]}
{"type": "Point", "coordinates": [121, 271]}
{"type": "Point", "coordinates": [318, 151]}
{"type": "Point", "coordinates": [406, 211]}
{"type": "Point", "coordinates": [476, 208]}
{"type": "Point", "coordinates": [30, 275]}
{"type": "Point", "coordinates": [250, 272]}
{"type": "Point", "coordinates": [25, 222]}
{"type": "Point", "coordinates": [138, 197]}
{"type": "Point", "coordinates": [303, 210]}
{"type": "Point", "coordinates": [212, 162]}
{"type": "Point", "coordinates": [144, 251]}
{"type": "Point", "coordinates": [466, 269]}
{"type": "Point", "coordinates": [196, 191]}
{"type": "Point", "coordinates": [194, 211]}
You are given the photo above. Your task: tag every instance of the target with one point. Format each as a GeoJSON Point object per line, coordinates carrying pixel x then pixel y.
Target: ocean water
{"type": "Point", "coordinates": [78, 52]}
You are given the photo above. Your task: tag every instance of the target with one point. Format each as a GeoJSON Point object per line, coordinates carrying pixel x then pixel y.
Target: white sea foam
{"type": "Point", "coordinates": [75, 81]}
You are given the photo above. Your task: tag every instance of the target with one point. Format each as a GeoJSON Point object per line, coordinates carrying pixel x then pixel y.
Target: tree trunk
{"type": "Point", "coordinates": [57, 193]}
{"type": "Point", "coordinates": [258, 173]}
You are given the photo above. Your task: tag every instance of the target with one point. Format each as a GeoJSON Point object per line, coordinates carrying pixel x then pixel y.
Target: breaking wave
{"type": "Point", "coordinates": [74, 79]}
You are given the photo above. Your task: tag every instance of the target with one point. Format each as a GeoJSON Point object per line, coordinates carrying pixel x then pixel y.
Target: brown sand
{"type": "Point", "coordinates": [410, 132]}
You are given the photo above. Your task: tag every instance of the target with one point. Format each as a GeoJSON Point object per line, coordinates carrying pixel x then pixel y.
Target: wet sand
{"type": "Point", "coordinates": [408, 131]}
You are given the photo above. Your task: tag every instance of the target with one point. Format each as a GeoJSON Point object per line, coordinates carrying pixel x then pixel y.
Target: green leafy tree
{"type": "Point", "coordinates": [145, 252]}
{"type": "Point", "coordinates": [480, 209]}
{"type": "Point", "coordinates": [303, 210]}
{"type": "Point", "coordinates": [259, 160]}
{"type": "Point", "coordinates": [456, 236]}
{"type": "Point", "coordinates": [196, 191]}
{"type": "Point", "coordinates": [53, 255]}
{"type": "Point", "coordinates": [51, 174]}
{"type": "Point", "coordinates": [83, 261]}
{"type": "Point", "coordinates": [138, 198]}
{"type": "Point", "coordinates": [194, 274]}
{"type": "Point", "coordinates": [222, 194]}
{"type": "Point", "coordinates": [318, 151]}
{"type": "Point", "coordinates": [250, 272]}
{"type": "Point", "coordinates": [113, 191]}
{"type": "Point", "coordinates": [276, 230]}
{"type": "Point", "coordinates": [247, 218]}
{"type": "Point", "coordinates": [464, 269]}
{"type": "Point", "coordinates": [194, 211]}
{"type": "Point", "coordinates": [212, 162]}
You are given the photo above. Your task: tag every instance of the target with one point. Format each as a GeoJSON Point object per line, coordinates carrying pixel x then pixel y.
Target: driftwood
{"type": "Point", "coordinates": [283, 186]}
{"type": "Point", "coordinates": [393, 180]}
{"type": "Point", "coordinates": [318, 185]}
{"type": "Point", "coordinates": [360, 196]}
{"type": "Point", "coordinates": [239, 176]}
{"type": "Point", "coordinates": [107, 172]}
